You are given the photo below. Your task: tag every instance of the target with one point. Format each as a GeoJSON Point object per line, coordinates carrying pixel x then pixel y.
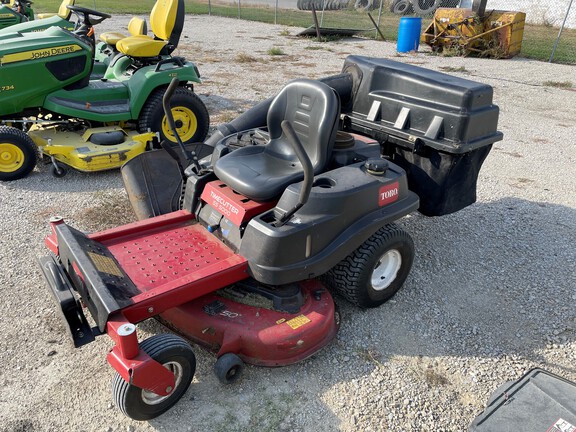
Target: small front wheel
{"type": "Point", "coordinates": [375, 271]}
{"type": "Point", "coordinates": [59, 170]}
{"type": "Point", "coordinates": [176, 355]}
{"type": "Point", "coordinates": [228, 368]}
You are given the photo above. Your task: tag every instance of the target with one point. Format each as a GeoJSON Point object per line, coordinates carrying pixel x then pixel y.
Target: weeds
{"type": "Point", "coordinates": [275, 51]}
{"type": "Point", "coordinates": [453, 69]}
{"type": "Point", "coordinates": [245, 58]}
{"type": "Point", "coordinates": [558, 84]}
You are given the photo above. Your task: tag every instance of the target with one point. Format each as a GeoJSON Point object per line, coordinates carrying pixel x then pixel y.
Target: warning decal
{"type": "Point", "coordinates": [299, 321]}
{"type": "Point", "coordinates": [562, 425]}
{"type": "Point", "coordinates": [105, 264]}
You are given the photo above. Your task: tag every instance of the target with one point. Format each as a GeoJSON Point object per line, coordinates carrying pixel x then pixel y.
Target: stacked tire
{"type": "Point", "coordinates": [322, 4]}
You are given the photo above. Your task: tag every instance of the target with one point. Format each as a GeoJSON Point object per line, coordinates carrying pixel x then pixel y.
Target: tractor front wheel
{"type": "Point", "coordinates": [175, 354]}
{"type": "Point", "coordinates": [190, 116]}
{"type": "Point", "coordinates": [375, 271]}
{"type": "Point", "coordinates": [18, 154]}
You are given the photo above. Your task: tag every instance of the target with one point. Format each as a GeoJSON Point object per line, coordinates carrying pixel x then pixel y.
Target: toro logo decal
{"type": "Point", "coordinates": [388, 194]}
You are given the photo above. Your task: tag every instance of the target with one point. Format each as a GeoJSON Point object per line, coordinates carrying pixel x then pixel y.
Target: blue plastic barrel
{"type": "Point", "coordinates": [409, 34]}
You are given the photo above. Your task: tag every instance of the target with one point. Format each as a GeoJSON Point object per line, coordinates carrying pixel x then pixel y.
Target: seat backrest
{"type": "Point", "coordinates": [312, 108]}
{"type": "Point", "coordinates": [63, 11]}
{"type": "Point", "coordinates": [167, 20]}
{"type": "Point", "coordinates": [137, 26]}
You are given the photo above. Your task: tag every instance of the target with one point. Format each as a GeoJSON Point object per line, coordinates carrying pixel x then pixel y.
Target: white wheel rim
{"type": "Point", "coordinates": [386, 270]}
{"type": "Point", "coordinates": [152, 398]}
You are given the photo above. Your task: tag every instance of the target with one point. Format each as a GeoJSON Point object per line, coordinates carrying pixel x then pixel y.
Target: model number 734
{"type": "Point", "coordinates": [6, 87]}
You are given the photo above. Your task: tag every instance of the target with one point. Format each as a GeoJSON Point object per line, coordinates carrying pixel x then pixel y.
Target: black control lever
{"type": "Point", "coordinates": [190, 156]}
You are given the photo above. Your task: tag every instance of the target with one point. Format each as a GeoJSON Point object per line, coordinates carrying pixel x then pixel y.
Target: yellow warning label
{"type": "Point", "coordinates": [299, 321]}
{"type": "Point", "coordinates": [41, 53]}
{"type": "Point", "coordinates": [105, 264]}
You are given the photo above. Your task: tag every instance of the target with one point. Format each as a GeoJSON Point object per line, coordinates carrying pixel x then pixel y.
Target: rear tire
{"type": "Point", "coordinates": [375, 271]}
{"type": "Point", "coordinates": [175, 354]}
{"type": "Point", "coordinates": [18, 154]}
{"type": "Point", "coordinates": [190, 114]}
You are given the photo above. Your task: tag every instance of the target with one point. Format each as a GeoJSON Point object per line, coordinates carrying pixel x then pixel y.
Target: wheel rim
{"type": "Point", "coordinates": [186, 123]}
{"type": "Point", "coordinates": [152, 398]}
{"type": "Point", "coordinates": [386, 270]}
{"type": "Point", "coordinates": [11, 157]}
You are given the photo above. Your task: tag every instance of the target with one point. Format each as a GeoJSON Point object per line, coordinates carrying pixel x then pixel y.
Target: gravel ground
{"type": "Point", "coordinates": [491, 293]}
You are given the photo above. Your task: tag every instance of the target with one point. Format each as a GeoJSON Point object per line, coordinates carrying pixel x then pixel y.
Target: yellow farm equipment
{"type": "Point", "coordinates": [496, 34]}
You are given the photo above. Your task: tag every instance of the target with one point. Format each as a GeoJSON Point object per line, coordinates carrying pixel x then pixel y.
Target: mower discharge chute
{"type": "Point", "coordinates": [93, 124]}
{"type": "Point", "coordinates": [239, 251]}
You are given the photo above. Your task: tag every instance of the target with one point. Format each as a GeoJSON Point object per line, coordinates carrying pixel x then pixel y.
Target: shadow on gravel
{"type": "Point", "coordinates": [494, 279]}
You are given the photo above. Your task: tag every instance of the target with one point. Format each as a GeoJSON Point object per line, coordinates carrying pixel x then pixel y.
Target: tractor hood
{"type": "Point", "coordinates": [55, 58]}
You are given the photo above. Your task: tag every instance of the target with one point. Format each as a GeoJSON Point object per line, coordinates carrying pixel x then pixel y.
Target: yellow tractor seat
{"type": "Point", "coordinates": [166, 22]}
{"type": "Point", "coordinates": [63, 11]}
{"type": "Point", "coordinates": [136, 27]}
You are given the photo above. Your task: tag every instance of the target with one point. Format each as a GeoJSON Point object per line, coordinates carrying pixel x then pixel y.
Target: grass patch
{"type": "Point", "coordinates": [245, 58]}
{"type": "Point", "coordinates": [558, 84]}
{"type": "Point", "coordinates": [453, 69]}
{"type": "Point", "coordinates": [275, 51]}
{"type": "Point", "coordinates": [107, 211]}
{"type": "Point", "coordinates": [434, 378]}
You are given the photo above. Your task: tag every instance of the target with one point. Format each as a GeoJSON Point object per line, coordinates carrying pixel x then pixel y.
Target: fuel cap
{"type": "Point", "coordinates": [376, 166]}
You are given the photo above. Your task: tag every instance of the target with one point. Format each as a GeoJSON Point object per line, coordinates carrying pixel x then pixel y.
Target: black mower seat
{"type": "Point", "coordinates": [263, 172]}
{"type": "Point", "coordinates": [166, 22]}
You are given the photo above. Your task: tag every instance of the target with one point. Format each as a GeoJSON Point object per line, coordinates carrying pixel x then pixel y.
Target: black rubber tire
{"type": "Point", "coordinates": [366, 5]}
{"type": "Point", "coordinates": [152, 115]}
{"type": "Point", "coordinates": [165, 349]}
{"type": "Point", "coordinates": [401, 7]}
{"type": "Point", "coordinates": [59, 171]}
{"type": "Point", "coordinates": [352, 277]}
{"type": "Point", "coordinates": [228, 368]}
{"type": "Point", "coordinates": [18, 154]}
{"type": "Point", "coordinates": [320, 5]}
{"type": "Point", "coordinates": [425, 7]}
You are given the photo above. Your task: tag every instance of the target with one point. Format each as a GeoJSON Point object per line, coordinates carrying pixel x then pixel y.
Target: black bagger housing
{"type": "Point", "coordinates": [436, 126]}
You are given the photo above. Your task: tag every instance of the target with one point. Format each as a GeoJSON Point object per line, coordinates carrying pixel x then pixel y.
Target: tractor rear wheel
{"type": "Point", "coordinates": [18, 154]}
{"type": "Point", "coordinates": [176, 355]}
{"type": "Point", "coordinates": [190, 115]}
{"type": "Point", "coordinates": [375, 271]}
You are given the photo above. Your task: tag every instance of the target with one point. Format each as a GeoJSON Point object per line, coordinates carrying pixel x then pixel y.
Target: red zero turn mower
{"type": "Point", "coordinates": [239, 251]}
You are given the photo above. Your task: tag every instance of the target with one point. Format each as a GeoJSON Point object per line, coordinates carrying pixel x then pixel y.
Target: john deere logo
{"type": "Point", "coordinates": [41, 53]}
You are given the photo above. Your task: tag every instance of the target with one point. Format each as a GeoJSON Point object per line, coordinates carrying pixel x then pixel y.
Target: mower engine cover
{"type": "Point", "coordinates": [436, 126]}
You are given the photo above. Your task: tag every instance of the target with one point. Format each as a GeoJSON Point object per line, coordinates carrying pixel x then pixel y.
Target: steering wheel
{"type": "Point", "coordinates": [85, 13]}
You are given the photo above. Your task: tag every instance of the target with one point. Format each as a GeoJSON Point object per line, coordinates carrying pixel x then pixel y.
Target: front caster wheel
{"type": "Point", "coordinates": [228, 368]}
{"type": "Point", "coordinates": [376, 270]}
{"type": "Point", "coordinates": [59, 170]}
{"type": "Point", "coordinates": [175, 354]}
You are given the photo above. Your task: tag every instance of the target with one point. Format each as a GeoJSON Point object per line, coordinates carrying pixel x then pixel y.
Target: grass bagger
{"type": "Point", "coordinates": [18, 16]}
{"type": "Point", "coordinates": [241, 250]}
{"type": "Point", "coordinates": [93, 124]}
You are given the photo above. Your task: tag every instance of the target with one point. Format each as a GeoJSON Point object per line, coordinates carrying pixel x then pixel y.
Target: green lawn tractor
{"type": "Point", "coordinates": [50, 106]}
{"type": "Point", "coordinates": [18, 16]}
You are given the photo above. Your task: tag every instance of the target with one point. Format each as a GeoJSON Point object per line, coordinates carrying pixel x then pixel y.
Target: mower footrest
{"type": "Point", "coordinates": [71, 311]}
